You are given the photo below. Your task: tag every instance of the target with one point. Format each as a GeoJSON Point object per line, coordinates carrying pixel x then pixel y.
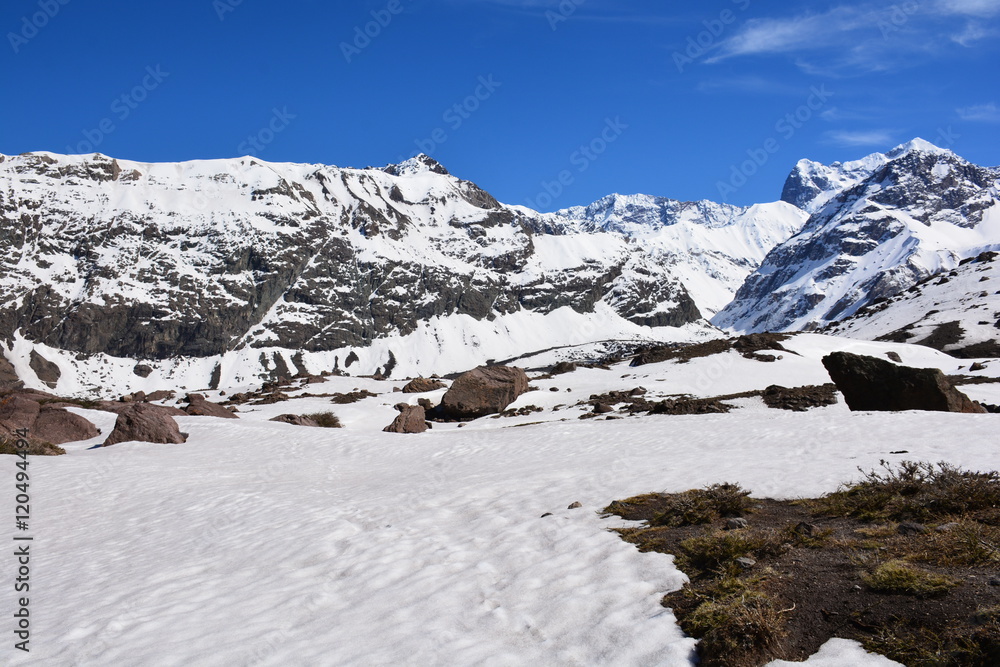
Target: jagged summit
{"type": "Point", "coordinates": [418, 164]}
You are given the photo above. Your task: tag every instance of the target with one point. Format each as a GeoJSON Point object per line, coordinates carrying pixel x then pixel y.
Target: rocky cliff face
{"type": "Point", "coordinates": [921, 211]}
{"type": "Point", "coordinates": [199, 259]}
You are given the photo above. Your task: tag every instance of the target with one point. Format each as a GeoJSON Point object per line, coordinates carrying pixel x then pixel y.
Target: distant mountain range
{"type": "Point", "coordinates": [235, 270]}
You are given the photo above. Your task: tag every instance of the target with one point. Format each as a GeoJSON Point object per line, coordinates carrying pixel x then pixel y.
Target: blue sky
{"type": "Point", "coordinates": [539, 101]}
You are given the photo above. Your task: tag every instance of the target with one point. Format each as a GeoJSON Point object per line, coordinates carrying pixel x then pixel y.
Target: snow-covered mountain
{"type": "Point", "coordinates": [914, 211]}
{"type": "Point", "coordinates": [957, 311]}
{"type": "Point", "coordinates": [254, 267]}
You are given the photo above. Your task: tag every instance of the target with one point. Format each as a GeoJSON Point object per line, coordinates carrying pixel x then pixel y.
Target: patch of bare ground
{"type": "Point", "coordinates": [907, 562]}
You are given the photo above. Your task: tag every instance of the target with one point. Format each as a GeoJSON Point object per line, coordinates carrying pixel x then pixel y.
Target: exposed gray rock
{"type": "Point", "coordinates": [869, 383]}
{"type": "Point", "coordinates": [296, 420]}
{"type": "Point", "coordinates": [47, 371]}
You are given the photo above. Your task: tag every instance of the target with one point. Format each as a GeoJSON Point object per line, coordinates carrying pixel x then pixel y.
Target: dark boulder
{"type": "Point", "coordinates": [145, 423]}
{"type": "Point", "coordinates": [296, 420]}
{"type": "Point", "coordinates": [17, 411]}
{"type": "Point", "coordinates": [8, 376]}
{"type": "Point", "coordinates": [46, 371]}
{"type": "Point", "coordinates": [200, 407]}
{"type": "Point", "coordinates": [411, 419]}
{"type": "Point", "coordinates": [422, 385]}
{"type": "Point", "coordinates": [143, 370]}
{"type": "Point", "coordinates": [563, 367]}
{"type": "Point", "coordinates": [486, 390]}
{"type": "Point", "coordinates": [59, 426]}
{"type": "Point", "coordinates": [868, 383]}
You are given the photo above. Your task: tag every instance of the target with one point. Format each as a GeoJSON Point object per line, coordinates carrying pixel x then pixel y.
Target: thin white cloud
{"type": "Point", "coordinates": [985, 113]}
{"type": "Point", "coordinates": [853, 138]}
{"type": "Point", "coordinates": [783, 35]}
{"type": "Point", "coordinates": [973, 32]}
{"type": "Point", "coordinates": [980, 8]}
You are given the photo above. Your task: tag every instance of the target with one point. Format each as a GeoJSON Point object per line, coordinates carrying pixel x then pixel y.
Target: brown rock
{"type": "Point", "coordinates": [200, 407]}
{"type": "Point", "coordinates": [160, 395]}
{"type": "Point", "coordinates": [410, 420]}
{"type": "Point", "coordinates": [868, 383]}
{"type": "Point", "coordinates": [486, 390]}
{"type": "Point", "coordinates": [59, 426]}
{"type": "Point", "coordinates": [143, 422]}
{"type": "Point", "coordinates": [296, 420]}
{"type": "Point", "coordinates": [46, 371]}
{"type": "Point", "coordinates": [421, 385]}
{"type": "Point", "coordinates": [8, 376]}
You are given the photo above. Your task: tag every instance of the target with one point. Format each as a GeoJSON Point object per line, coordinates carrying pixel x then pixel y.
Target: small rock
{"type": "Point", "coordinates": [977, 367]}
{"type": "Point", "coordinates": [575, 506]}
{"type": "Point", "coordinates": [736, 523]}
{"type": "Point", "coordinates": [546, 514]}
{"type": "Point", "coordinates": [638, 391]}
{"type": "Point", "coordinates": [553, 388]}
{"type": "Point", "coordinates": [745, 563]}
{"type": "Point", "coordinates": [806, 529]}
{"type": "Point", "coordinates": [912, 528]}
{"type": "Point", "coordinates": [894, 356]}
{"type": "Point", "coordinates": [602, 409]}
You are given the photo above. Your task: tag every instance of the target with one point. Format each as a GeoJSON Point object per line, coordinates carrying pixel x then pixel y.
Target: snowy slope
{"type": "Point", "coordinates": [964, 301]}
{"type": "Point", "coordinates": [921, 212]}
{"type": "Point", "coordinates": [262, 543]}
{"type": "Point", "coordinates": [220, 265]}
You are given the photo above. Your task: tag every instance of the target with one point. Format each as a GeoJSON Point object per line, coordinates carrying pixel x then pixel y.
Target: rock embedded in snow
{"type": "Point", "coordinates": [869, 383]}
{"type": "Point", "coordinates": [295, 420]}
{"type": "Point", "coordinates": [411, 419]}
{"type": "Point", "coordinates": [8, 375]}
{"type": "Point", "coordinates": [199, 406]}
{"type": "Point", "coordinates": [422, 385]}
{"type": "Point", "coordinates": [47, 371]}
{"type": "Point", "coordinates": [143, 422]}
{"type": "Point", "coordinates": [60, 426]}
{"type": "Point", "coordinates": [485, 390]}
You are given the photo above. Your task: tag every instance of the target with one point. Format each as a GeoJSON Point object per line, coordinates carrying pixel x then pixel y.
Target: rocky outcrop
{"type": "Point", "coordinates": [411, 419]}
{"type": "Point", "coordinates": [144, 423]}
{"type": "Point", "coordinates": [486, 390]}
{"type": "Point", "coordinates": [869, 383]}
{"type": "Point", "coordinates": [422, 385]}
{"type": "Point", "coordinates": [199, 406]}
{"type": "Point", "coordinates": [47, 371]}
{"type": "Point", "coordinates": [295, 420]}
{"type": "Point", "coordinates": [914, 207]}
{"type": "Point", "coordinates": [60, 426]}
{"type": "Point", "coordinates": [8, 375]}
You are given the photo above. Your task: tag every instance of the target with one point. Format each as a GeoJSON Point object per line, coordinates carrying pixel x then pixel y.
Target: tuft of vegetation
{"type": "Point", "coordinates": [975, 644]}
{"type": "Point", "coordinates": [898, 576]}
{"type": "Point", "coordinates": [914, 492]}
{"type": "Point", "coordinates": [325, 419]}
{"type": "Point", "coordinates": [35, 448]}
{"type": "Point", "coordinates": [700, 506]}
{"type": "Point", "coordinates": [717, 551]}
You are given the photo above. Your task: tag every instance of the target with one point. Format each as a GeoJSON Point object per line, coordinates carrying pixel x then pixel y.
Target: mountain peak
{"type": "Point", "coordinates": [916, 144]}
{"type": "Point", "coordinates": [418, 164]}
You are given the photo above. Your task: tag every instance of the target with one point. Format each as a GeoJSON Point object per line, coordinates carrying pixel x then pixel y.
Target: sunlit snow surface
{"type": "Point", "coordinates": [260, 543]}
